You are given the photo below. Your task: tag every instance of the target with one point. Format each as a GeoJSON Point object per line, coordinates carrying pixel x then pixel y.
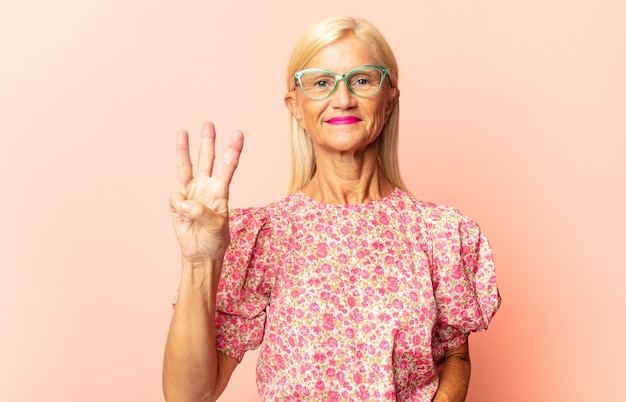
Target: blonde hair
{"type": "Point", "coordinates": [317, 37]}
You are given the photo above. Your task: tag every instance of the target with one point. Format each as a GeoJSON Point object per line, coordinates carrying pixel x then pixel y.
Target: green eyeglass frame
{"type": "Point", "coordinates": [384, 70]}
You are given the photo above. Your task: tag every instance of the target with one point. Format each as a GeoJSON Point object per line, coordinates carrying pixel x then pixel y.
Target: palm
{"type": "Point", "coordinates": [200, 211]}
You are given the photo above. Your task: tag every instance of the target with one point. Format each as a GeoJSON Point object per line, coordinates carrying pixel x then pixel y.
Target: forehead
{"type": "Point", "coordinates": [343, 55]}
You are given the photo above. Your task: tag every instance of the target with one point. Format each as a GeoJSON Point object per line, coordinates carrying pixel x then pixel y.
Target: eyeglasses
{"type": "Point", "coordinates": [364, 81]}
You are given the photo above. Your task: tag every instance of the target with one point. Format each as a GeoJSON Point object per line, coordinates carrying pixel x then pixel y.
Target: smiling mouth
{"type": "Point", "coordinates": [343, 120]}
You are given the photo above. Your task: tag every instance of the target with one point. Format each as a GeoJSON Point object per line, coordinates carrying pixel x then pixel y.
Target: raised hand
{"type": "Point", "coordinates": [200, 210]}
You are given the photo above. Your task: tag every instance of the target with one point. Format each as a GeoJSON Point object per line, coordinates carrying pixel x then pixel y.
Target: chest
{"type": "Point", "coordinates": [366, 279]}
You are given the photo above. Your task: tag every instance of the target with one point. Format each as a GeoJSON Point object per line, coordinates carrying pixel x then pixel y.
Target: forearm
{"type": "Point", "coordinates": [190, 367]}
{"type": "Point", "coordinates": [454, 376]}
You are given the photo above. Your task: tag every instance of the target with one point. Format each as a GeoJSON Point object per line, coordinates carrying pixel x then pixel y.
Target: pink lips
{"type": "Point", "coordinates": [343, 120]}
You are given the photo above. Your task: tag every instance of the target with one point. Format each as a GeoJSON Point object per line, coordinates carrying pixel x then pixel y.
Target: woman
{"type": "Point", "coordinates": [353, 289]}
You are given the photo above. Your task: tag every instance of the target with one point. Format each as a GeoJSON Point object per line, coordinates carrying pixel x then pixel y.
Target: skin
{"type": "Point", "coordinates": [347, 172]}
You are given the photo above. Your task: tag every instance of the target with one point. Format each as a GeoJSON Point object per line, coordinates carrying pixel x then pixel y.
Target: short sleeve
{"type": "Point", "coordinates": [464, 280]}
{"type": "Point", "coordinates": [244, 288]}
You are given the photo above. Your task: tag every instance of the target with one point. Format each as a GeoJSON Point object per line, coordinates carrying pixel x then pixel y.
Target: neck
{"type": "Point", "coordinates": [353, 179]}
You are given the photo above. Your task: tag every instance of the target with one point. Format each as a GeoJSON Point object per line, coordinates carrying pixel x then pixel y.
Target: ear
{"type": "Point", "coordinates": [392, 101]}
{"type": "Point", "coordinates": [292, 104]}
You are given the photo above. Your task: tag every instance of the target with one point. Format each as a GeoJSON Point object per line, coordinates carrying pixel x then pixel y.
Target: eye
{"type": "Point", "coordinates": [361, 81]}
{"type": "Point", "coordinates": [321, 83]}
{"type": "Point", "coordinates": [364, 81]}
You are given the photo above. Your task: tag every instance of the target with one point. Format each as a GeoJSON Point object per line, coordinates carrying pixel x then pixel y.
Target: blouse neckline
{"type": "Point", "coordinates": [368, 204]}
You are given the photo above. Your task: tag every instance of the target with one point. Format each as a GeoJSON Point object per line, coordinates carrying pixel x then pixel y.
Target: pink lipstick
{"type": "Point", "coordinates": [343, 120]}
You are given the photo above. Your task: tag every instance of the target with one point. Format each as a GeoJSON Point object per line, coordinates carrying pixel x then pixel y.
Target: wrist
{"type": "Point", "coordinates": [201, 273]}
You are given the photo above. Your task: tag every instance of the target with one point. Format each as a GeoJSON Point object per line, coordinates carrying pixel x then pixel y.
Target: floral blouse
{"type": "Point", "coordinates": [352, 302]}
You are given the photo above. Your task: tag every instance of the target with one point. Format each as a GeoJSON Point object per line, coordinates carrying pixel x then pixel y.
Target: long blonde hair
{"type": "Point", "coordinates": [317, 37]}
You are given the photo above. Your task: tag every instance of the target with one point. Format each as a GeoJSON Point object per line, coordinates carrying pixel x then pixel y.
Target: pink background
{"type": "Point", "coordinates": [512, 111]}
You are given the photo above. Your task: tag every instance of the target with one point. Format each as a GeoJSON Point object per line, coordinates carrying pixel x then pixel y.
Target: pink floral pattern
{"type": "Point", "coordinates": [352, 302]}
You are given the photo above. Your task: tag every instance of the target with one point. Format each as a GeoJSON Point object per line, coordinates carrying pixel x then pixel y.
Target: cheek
{"type": "Point", "coordinates": [381, 115]}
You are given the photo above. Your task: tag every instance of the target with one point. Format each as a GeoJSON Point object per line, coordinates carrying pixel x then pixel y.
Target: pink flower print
{"type": "Point", "coordinates": [358, 317]}
{"type": "Point", "coordinates": [457, 272]}
{"type": "Point", "coordinates": [332, 342]}
{"type": "Point", "coordinates": [322, 250]}
{"type": "Point", "coordinates": [392, 284]}
{"type": "Point", "coordinates": [314, 308]}
{"type": "Point", "coordinates": [329, 322]}
{"type": "Point", "coordinates": [417, 339]}
{"type": "Point", "coordinates": [319, 386]}
{"type": "Point", "coordinates": [369, 327]}
{"type": "Point", "coordinates": [365, 274]}
{"type": "Point", "coordinates": [236, 274]}
{"type": "Point", "coordinates": [343, 259]}
{"type": "Point", "coordinates": [379, 270]}
{"type": "Point", "coordinates": [397, 303]}
{"type": "Point", "coordinates": [350, 333]}
{"type": "Point", "coordinates": [345, 230]}
{"type": "Point", "coordinates": [309, 239]}
{"type": "Point", "coordinates": [358, 378]}
{"type": "Point", "coordinates": [383, 218]}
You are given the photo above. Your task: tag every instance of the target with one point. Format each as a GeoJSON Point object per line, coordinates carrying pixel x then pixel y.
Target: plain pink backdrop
{"type": "Point", "coordinates": [512, 111]}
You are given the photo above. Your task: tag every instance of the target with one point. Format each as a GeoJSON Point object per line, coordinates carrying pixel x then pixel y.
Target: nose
{"type": "Point", "coordinates": [343, 97]}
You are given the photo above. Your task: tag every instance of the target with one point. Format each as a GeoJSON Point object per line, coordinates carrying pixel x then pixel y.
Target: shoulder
{"type": "Point", "coordinates": [264, 218]}
{"type": "Point", "coordinates": [436, 218]}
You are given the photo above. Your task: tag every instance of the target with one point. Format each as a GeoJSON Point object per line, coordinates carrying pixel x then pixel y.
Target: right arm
{"type": "Point", "coordinates": [193, 369]}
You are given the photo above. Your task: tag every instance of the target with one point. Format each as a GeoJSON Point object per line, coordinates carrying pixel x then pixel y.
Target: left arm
{"type": "Point", "coordinates": [454, 375]}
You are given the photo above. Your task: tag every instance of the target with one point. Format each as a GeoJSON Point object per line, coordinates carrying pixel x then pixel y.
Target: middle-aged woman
{"type": "Point", "coordinates": [352, 288]}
